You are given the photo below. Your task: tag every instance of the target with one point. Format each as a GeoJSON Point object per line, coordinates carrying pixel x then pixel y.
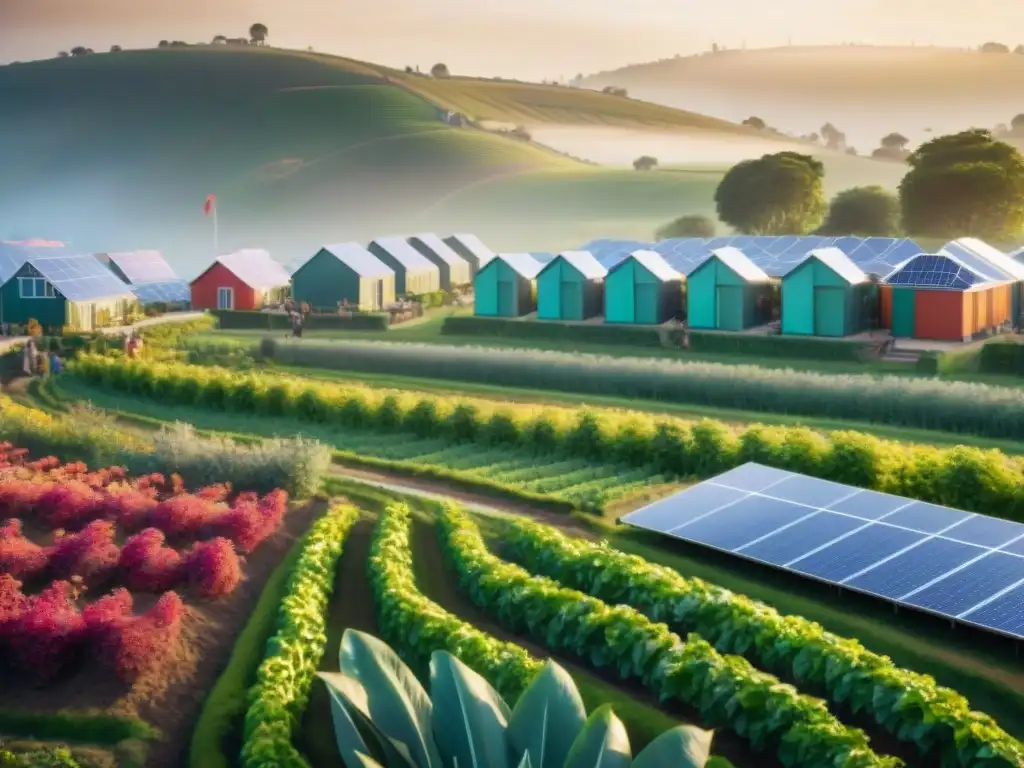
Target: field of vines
{"type": "Point", "coordinates": [114, 587]}
{"type": "Point", "coordinates": [779, 690]}
{"type": "Point", "coordinates": [966, 478]}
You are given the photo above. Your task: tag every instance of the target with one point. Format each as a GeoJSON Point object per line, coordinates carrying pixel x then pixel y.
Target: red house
{"type": "Point", "coordinates": [246, 279]}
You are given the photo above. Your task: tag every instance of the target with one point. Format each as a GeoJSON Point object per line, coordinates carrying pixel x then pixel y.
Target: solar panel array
{"type": "Point", "coordinates": [143, 266]}
{"type": "Point", "coordinates": [80, 278]}
{"type": "Point", "coordinates": [960, 565]}
{"type": "Point", "coordinates": [938, 270]}
{"type": "Point", "coordinates": [168, 292]}
{"type": "Point", "coordinates": [774, 255]}
{"type": "Point", "coordinates": [14, 255]}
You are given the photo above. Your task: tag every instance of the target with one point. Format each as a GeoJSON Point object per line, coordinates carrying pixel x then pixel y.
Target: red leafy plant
{"type": "Point", "coordinates": [19, 556]}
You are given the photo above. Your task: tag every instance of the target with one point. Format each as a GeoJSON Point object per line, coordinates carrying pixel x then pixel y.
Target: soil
{"type": "Point", "coordinates": [171, 696]}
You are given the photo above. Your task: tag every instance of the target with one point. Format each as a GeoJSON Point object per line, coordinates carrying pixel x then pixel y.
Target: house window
{"type": "Point", "coordinates": [225, 298]}
{"type": "Point", "coordinates": [35, 288]}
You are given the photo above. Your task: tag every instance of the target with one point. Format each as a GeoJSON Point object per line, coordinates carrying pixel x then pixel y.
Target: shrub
{"type": "Point", "coordinates": [20, 557]}
{"type": "Point", "coordinates": [47, 632]}
{"type": "Point", "coordinates": [134, 645]}
{"type": "Point", "coordinates": [212, 567]}
{"type": "Point", "coordinates": [91, 554]}
{"type": "Point", "coordinates": [146, 565]}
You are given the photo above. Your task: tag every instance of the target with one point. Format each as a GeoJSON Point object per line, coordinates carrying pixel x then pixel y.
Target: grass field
{"type": "Point", "coordinates": [303, 149]}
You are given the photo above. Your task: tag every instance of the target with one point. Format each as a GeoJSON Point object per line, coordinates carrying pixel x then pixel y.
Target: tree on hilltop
{"type": "Point", "coordinates": [691, 225]}
{"type": "Point", "coordinates": [614, 90]}
{"type": "Point", "coordinates": [964, 184]}
{"type": "Point", "coordinates": [1019, 49]}
{"type": "Point", "coordinates": [440, 70]}
{"type": "Point", "coordinates": [63, 55]}
{"type": "Point", "coordinates": [645, 163]}
{"type": "Point", "coordinates": [994, 48]}
{"type": "Point", "coordinates": [220, 39]}
{"type": "Point", "coordinates": [865, 211]}
{"type": "Point", "coordinates": [79, 50]}
{"type": "Point", "coordinates": [115, 49]}
{"type": "Point", "coordinates": [755, 122]}
{"type": "Point", "coordinates": [163, 44]}
{"type": "Point", "coordinates": [258, 33]}
{"type": "Point", "coordinates": [1017, 125]}
{"type": "Point", "coordinates": [893, 147]}
{"type": "Point", "coordinates": [834, 138]}
{"type": "Point", "coordinates": [778, 194]}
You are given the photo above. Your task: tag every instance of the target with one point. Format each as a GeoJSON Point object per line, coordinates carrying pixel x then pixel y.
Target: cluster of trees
{"type": "Point", "coordinates": [614, 90]}
{"type": "Point", "coordinates": [964, 184]}
{"type": "Point", "coordinates": [993, 47]}
{"type": "Point", "coordinates": [258, 34]}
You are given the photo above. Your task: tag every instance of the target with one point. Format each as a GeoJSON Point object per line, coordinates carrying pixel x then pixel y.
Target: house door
{"type": "Point", "coordinates": [506, 299]}
{"type": "Point", "coordinates": [572, 302]}
{"type": "Point", "coordinates": [225, 298]}
{"type": "Point", "coordinates": [903, 312]}
{"type": "Point", "coordinates": [729, 308]}
{"type": "Point", "coordinates": [645, 303]}
{"type": "Point", "coordinates": [829, 312]}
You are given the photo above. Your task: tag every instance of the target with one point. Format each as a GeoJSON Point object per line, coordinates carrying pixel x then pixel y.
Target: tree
{"type": "Point", "coordinates": [691, 225]}
{"type": "Point", "coordinates": [258, 33]}
{"type": "Point", "coordinates": [964, 184]}
{"type": "Point", "coordinates": [62, 55]}
{"type": "Point", "coordinates": [893, 147]}
{"type": "Point", "coordinates": [780, 194]}
{"type": "Point", "coordinates": [851, 150]}
{"type": "Point", "coordinates": [645, 163]}
{"type": "Point", "coordinates": [614, 90]}
{"type": "Point", "coordinates": [440, 70]}
{"type": "Point", "coordinates": [220, 39]}
{"type": "Point", "coordinates": [79, 50]}
{"type": "Point", "coordinates": [756, 123]}
{"type": "Point", "coordinates": [834, 138]}
{"type": "Point", "coordinates": [866, 211]}
{"type": "Point", "coordinates": [994, 48]}
{"type": "Point", "coordinates": [1017, 125]}
{"type": "Point", "coordinates": [163, 44]}
{"type": "Point", "coordinates": [1019, 50]}
{"type": "Point", "coordinates": [115, 49]}
{"type": "Point", "coordinates": [895, 141]}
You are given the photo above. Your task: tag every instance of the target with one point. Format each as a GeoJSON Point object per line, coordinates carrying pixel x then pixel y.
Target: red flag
{"type": "Point", "coordinates": [208, 205]}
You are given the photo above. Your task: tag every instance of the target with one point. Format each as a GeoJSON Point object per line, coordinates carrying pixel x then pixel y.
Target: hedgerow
{"type": "Point", "coordinates": [726, 690]}
{"type": "Point", "coordinates": [911, 706]}
{"type": "Point", "coordinates": [962, 477]}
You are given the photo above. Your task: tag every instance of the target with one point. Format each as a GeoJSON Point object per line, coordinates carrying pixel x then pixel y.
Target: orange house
{"type": "Point", "coordinates": [939, 297]}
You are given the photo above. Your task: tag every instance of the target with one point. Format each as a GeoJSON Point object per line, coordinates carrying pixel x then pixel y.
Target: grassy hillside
{"type": "Point", "coordinates": [866, 91]}
{"type": "Point", "coordinates": [118, 151]}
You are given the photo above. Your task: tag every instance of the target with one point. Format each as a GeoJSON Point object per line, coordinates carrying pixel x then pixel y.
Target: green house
{"type": "Point", "coordinates": [571, 287]}
{"type": "Point", "coordinates": [643, 290]}
{"type": "Point", "coordinates": [74, 292]}
{"type": "Point", "coordinates": [826, 294]}
{"type": "Point", "coordinates": [728, 292]}
{"type": "Point", "coordinates": [454, 269]}
{"type": "Point", "coordinates": [415, 274]}
{"type": "Point", "coordinates": [472, 249]}
{"type": "Point", "coordinates": [344, 272]}
{"type": "Point", "coordinates": [505, 287]}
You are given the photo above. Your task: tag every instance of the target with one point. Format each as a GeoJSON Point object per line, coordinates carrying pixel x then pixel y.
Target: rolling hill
{"type": "Point", "coordinates": [118, 151]}
{"type": "Point", "coordinates": [865, 91]}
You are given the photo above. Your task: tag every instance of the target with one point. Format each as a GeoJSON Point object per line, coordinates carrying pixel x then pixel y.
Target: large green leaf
{"type": "Point", "coordinates": [352, 724]}
{"type": "Point", "coordinates": [683, 747]}
{"type": "Point", "coordinates": [603, 743]}
{"type": "Point", "coordinates": [469, 716]}
{"type": "Point", "coordinates": [362, 761]}
{"type": "Point", "coordinates": [396, 701]}
{"type": "Point", "coordinates": [547, 718]}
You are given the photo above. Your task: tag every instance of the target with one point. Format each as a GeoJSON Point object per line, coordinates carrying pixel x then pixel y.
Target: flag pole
{"type": "Point", "coordinates": [216, 239]}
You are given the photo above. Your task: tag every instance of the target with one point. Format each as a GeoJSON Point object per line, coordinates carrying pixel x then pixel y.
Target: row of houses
{"type": "Point", "coordinates": [45, 281]}
{"type": "Point", "coordinates": [955, 294]}
{"type": "Point", "coordinates": [367, 277]}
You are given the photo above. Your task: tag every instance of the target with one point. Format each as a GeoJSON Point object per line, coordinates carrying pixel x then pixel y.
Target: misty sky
{"type": "Point", "coordinates": [525, 38]}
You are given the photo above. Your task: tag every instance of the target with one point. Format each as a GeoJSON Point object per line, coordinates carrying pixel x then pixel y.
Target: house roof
{"type": "Point", "coordinates": [79, 277]}
{"type": "Point", "coordinates": [142, 266]}
{"type": "Point", "coordinates": [653, 263]}
{"type": "Point", "coordinates": [985, 259]}
{"type": "Point", "coordinates": [439, 248]}
{"type": "Point", "coordinates": [938, 271]}
{"type": "Point", "coordinates": [740, 263]}
{"type": "Point", "coordinates": [523, 263]}
{"type": "Point", "coordinates": [838, 262]}
{"type": "Point", "coordinates": [357, 258]}
{"type": "Point", "coordinates": [476, 246]}
{"type": "Point", "coordinates": [400, 250]}
{"type": "Point", "coordinates": [254, 267]}
{"type": "Point", "coordinates": [584, 263]}
{"type": "Point", "coordinates": [13, 255]}
{"type": "Point", "coordinates": [171, 291]}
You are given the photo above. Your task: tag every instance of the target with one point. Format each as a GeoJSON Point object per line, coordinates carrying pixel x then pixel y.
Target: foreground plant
{"type": "Point", "coordinates": [383, 717]}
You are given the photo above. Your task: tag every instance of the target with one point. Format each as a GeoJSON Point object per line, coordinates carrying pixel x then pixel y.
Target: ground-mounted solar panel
{"type": "Point", "coordinates": [960, 565]}
{"type": "Point", "coordinates": [168, 291]}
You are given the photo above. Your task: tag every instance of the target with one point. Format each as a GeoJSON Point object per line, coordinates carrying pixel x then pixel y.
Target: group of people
{"type": "Point", "coordinates": [297, 316]}
{"type": "Point", "coordinates": [133, 345]}
{"type": "Point", "coordinates": [34, 360]}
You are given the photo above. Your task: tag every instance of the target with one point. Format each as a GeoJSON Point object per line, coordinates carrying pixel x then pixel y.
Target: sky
{"type": "Point", "coordinates": [530, 39]}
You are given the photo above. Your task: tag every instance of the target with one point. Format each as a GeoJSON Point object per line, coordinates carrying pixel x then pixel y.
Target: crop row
{"type": "Point", "coordinates": [278, 699]}
{"type": "Point", "coordinates": [911, 706]}
{"type": "Point", "coordinates": [45, 632]}
{"type": "Point", "coordinates": [144, 564]}
{"type": "Point", "coordinates": [72, 506]}
{"type": "Point", "coordinates": [726, 690]}
{"type": "Point", "coordinates": [897, 400]}
{"type": "Point", "coordinates": [416, 626]}
{"type": "Point", "coordinates": [961, 477]}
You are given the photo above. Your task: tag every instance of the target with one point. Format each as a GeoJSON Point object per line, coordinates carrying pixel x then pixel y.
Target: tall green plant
{"type": "Point", "coordinates": [384, 717]}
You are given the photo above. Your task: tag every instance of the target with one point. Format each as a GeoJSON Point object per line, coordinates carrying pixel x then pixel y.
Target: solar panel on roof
{"type": "Point", "coordinates": [13, 256]}
{"type": "Point", "coordinates": [80, 277]}
{"type": "Point", "coordinates": [143, 266]}
{"type": "Point", "coordinates": [960, 565]}
{"type": "Point", "coordinates": [170, 291]}
{"type": "Point", "coordinates": [976, 263]}
{"type": "Point", "coordinates": [935, 271]}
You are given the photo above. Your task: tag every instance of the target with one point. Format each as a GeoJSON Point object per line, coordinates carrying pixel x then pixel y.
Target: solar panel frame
{"type": "Point", "coordinates": [867, 569]}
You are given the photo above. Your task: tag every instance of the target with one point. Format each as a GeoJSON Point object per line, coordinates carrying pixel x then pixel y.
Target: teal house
{"type": "Point", "coordinates": [454, 269]}
{"type": "Point", "coordinates": [642, 289]}
{"type": "Point", "coordinates": [505, 286]}
{"type": "Point", "coordinates": [728, 292]}
{"type": "Point", "coordinates": [472, 249]}
{"type": "Point", "coordinates": [571, 287]}
{"type": "Point", "coordinates": [826, 294]}
{"type": "Point", "coordinates": [415, 274]}
{"type": "Point", "coordinates": [344, 272]}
